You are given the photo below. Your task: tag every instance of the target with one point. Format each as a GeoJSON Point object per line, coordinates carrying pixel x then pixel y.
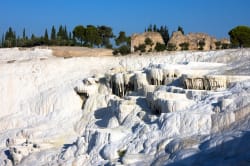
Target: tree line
{"type": "Point", "coordinates": [60, 37]}
{"type": "Point", "coordinates": [101, 36]}
{"type": "Point", "coordinates": [89, 36]}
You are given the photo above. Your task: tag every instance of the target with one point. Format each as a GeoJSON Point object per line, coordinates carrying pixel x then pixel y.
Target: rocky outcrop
{"type": "Point", "coordinates": [210, 82]}
{"type": "Point", "coordinates": [193, 39]}
{"type": "Point", "coordinates": [224, 41]}
{"type": "Point", "coordinates": [204, 82]}
{"type": "Point", "coordinates": [18, 152]}
{"type": "Point", "coordinates": [165, 102]}
{"type": "Point", "coordinates": [137, 39]}
{"type": "Point", "coordinates": [158, 76]}
{"type": "Point", "coordinates": [121, 83]}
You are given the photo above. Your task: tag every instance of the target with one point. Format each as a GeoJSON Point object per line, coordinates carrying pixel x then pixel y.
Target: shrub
{"type": "Point", "coordinates": [184, 46]}
{"type": "Point", "coordinates": [201, 44]}
{"type": "Point", "coordinates": [141, 48]}
{"type": "Point", "coordinates": [115, 52]}
{"type": "Point", "coordinates": [123, 50]}
{"type": "Point", "coordinates": [171, 47]}
{"type": "Point", "coordinates": [218, 45]}
{"type": "Point", "coordinates": [148, 41]}
{"type": "Point", "coordinates": [225, 45]}
{"type": "Point", "coordinates": [160, 47]}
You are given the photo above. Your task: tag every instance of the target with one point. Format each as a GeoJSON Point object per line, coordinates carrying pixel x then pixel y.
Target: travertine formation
{"type": "Point", "coordinates": [137, 39]}
{"type": "Point", "coordinates": [205, 82]}
{"type": "Point", "coordinates": [170, 109]}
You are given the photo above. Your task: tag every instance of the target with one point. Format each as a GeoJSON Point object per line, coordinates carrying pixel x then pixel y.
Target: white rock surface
{"type": "Point", "coordinates": [39, 103]}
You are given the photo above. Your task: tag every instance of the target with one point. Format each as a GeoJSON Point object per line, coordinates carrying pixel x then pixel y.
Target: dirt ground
{"type": "Point", "coordinates": [67, 52]}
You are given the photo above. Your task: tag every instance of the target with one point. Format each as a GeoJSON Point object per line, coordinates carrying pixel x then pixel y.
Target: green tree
{"type": "Point", "coordinates": [2, 41]}
{"type": "Point", "coordinates": [164, 33]}
{"type": "Point", "coordinates": [53, 35]}
{"type": "Point", "coordinates": [122, 39]}
{"type": "Point", "coordinates": [171, 47]}
{"type": "Point", "coordinates": [218, 44]}
{"type": "Point", "coordinates": [150, 28]}
{"type": "Point", "coordinates": [35, 41]}
{"type": "Point", "coordinates": [123, 42]}
{"type": "Point", "coordinates": [148, 41]}
{"type": "Point", "coordinates": [106, 34]}
{"type": "Point", "coordinates": [163, 30]}
{"type": "Point", "coordinates": [24, 34]}
{"type": "Point", "coordinates": [65, 34]}
{"type": "Point", "coordinates": [22, 41]}
{"type": "Point", "coordinates": [201, 44]}
{"type": "Point", "coordinates": [180, 29]}
{"type": "Point", "coordinates": [154, 28]}
{"type": "Point", "coordinates": [46, 37]}
{"type": "Point", "coordinates": [71, 40]}
{"type": "Point", "coordinates": [141, 48]}
{"type": "Point", "coordinates": [240, 36]}
{"type": "Point", "coordinates": [79, 33]}
{"type": "Point", "coordinates": [70, 36]}
{"type": "Point", "coordinates": [92, 36]}
{"type": "Point", "coordinates": [124, 50]}
{"type": "Point", "coordinates": [62, 35]}
{"type": "Point", "coordinates": [160, 47]}
{"type": "Point", "coordinates": [224, 45]}
{"type": "Point", "coordinates": [10, 38]}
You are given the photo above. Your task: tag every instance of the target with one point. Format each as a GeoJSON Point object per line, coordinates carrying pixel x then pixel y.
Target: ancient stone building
{"type": "Point", "coordinates": [137, 39]}
{"type": "Point", "coordinates": [194, 39]}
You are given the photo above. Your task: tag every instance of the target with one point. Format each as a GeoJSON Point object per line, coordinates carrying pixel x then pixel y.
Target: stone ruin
{"type": "Point", "coordinates": [193, 39]}
{"type": "Point", "coordinates": [137, 39]}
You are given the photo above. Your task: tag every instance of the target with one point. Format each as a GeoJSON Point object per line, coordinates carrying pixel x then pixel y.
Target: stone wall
{"type": "Point", "coordinates": [137, 39]}
{"type": "Point", "coordinates": [193, 39]}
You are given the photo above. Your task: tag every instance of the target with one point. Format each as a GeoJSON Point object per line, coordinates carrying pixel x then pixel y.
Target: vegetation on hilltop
{"type": "Point", "coordinates": [102, 37]}
{"type": "Point", "coordinates": [240, 36]}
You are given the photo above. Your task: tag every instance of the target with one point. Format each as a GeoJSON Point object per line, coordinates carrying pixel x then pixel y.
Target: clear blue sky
{"type": "Point", "coordinates": [215, 17]}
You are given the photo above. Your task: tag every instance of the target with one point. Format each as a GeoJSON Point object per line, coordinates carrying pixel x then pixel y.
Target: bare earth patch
{"type": "Point", "coordinates": [68, 52]}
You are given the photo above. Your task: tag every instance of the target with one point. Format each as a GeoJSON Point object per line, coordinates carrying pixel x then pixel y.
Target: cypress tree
{"type": "Point", "coordinates": [65, 33]}
{"type": "Point", "coordinates": [164, 33]}
{"type": "Point", "coordinates": [24, 35]}
{"type": "Point", "coordinates": [46, 37]}
{"type": "Point", "coordinates": [10, 38]}
{"type": "Point", "coordinates": [2, 41]}
{"type": "Point", "coordinates": [53, 35]}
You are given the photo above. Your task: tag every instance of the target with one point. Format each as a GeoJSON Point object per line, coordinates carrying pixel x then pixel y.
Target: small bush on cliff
{"type": "Point", "coordinates": [184, 46]}
{"type": "Point", "coordinates": [160, 47]}
{"type": "Point", "coordinates": [201, 44]}
{"type": "Point", "coordinates": [225, 46]}
{"type": "Point", "coordinates": [218, 45]}
{"type": "Point", "coordinates": [149, 42]}
{"type": "Point", "coordinates": [141, 48]}
{"type": "Point", "coordinates": [122, 50]}
{"type": "Point", "coordinates": [171, 47]}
